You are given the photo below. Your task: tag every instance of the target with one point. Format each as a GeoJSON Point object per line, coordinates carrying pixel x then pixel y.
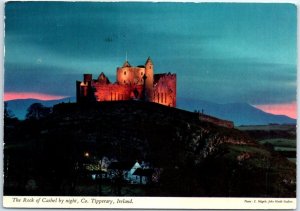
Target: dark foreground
{"type": "Point", "coordinates": [90, 150]}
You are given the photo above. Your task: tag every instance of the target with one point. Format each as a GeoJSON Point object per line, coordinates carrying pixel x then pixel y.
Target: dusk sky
{"type": "Point", "coordinates": [221, 52]}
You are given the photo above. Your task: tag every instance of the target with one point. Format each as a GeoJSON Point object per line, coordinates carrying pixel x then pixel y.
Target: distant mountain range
{"type": "Point", "coordinates": [239, 113]}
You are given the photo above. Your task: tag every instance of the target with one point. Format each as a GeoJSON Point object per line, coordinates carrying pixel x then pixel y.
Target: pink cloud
{"type": "Point", "coordinates": [288, 109]}
{"type": "Point", "coordinates": [27, 95]}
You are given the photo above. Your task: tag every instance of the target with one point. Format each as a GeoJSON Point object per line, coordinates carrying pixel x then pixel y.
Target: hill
{"type": "Point", "coordinates": [239, 113]}
{"type": "Point", "coordinates": [191, 157]}
{"type": "Point", "coordinates": [19, 106]}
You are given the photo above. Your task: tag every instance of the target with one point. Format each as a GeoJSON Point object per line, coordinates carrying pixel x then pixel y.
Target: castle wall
{"type": "Point", "coordinates": [87, 77]}
{"type": "Point", "coordinates": [130, 75]}
{"type": "Point", "coordinates": [84, 90]}
{"type": "Point", "coordinates": [111, 92]}
{"type": "Point", "coordinates": [130, 84]}
{"type": "Point", "coordinates": [164, 91]}
{"type": "Point", "coordinates": [138, 75]}
{"type": "Point", "coordinates": [149, 72]}
{"type": "Point", "coordinates": [117, 92]}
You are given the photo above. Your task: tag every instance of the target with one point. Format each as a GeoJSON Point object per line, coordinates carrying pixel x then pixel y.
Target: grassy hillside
{"type": "Point", "coordinates": [194, 158]}
{"type": "Point", "coordinates": [279, 138]}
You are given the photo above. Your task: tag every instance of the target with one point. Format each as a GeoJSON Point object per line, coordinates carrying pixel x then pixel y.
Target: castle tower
{"type": "Point", "coordinates": [84, 89]}
{"type": "Point", "coordinates": [87, 77]}
{"type": "Point", "coordinates": [125, 74]}
{"type": "Point", "coordinates": [149, 71]}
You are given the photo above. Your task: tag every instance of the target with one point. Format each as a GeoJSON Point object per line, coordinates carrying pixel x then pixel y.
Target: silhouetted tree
{"type": "Point", "coordinates": [37, 111]}
{"type": "Point", "coordinates": [7, 112]}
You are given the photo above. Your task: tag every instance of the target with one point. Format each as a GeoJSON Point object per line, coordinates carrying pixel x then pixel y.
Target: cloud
{"type": "Point", "coordinates": [288, 109]}
{"type": "Point", "coordinates": [237, 81]}
{"type": "Point", "coordinates": [30, 95]}
{"type": "Point", "coordinates": [220, 52]}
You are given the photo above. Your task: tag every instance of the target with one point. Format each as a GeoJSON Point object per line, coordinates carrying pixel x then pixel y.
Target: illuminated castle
{"type": "Point", "coordinates": [136, 83]}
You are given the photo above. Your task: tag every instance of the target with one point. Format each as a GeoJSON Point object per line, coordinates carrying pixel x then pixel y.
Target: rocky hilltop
{"type": "Point", "coordinates": [195, 157]}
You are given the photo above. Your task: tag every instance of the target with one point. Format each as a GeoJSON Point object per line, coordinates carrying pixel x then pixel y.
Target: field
{"type": "Point", "coordinates": [271, 127]}
{"type": "Point", "coordinates": [281, 138]}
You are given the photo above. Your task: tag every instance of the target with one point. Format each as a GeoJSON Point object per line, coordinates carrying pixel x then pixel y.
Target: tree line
{"type": "Point", "coordinates": [34, 112]}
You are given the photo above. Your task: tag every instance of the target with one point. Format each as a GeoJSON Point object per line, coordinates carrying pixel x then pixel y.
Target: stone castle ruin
{"type": "Point", "coordinates": [136, 83]}
{"type": "Point", "coordinates": [132, 83]}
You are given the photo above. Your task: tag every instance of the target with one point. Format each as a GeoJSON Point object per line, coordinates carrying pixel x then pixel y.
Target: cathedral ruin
{"type": "Point", "coordinates": [132, 83]}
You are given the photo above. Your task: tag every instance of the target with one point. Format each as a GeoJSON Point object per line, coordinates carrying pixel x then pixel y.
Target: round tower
{"type": "Point", "coordinates": [124, 74]}
{"type": "Point", "coordinates": [149, 72]}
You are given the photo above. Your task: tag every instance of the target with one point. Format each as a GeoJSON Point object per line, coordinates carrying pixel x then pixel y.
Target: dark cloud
{"type": "Point", "coordinates": [220, 52]}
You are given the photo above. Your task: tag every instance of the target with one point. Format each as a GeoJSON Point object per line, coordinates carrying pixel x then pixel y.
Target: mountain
{"type": "Point", "coordinates": [191, 157]}
{"type": "Point", "coordinates": [19, 106]}
{"type": "Point", "coordinates": [239, 113]}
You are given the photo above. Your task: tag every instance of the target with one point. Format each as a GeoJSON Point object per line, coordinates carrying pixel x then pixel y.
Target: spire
{"type": "Point", "coordinates": [126, 64]}
{"type": "Point", "coordinates": [148, 61]}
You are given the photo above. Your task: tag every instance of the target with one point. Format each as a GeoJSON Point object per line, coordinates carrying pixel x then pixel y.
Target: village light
{"type": "Point", "coordinates": [86, 154]}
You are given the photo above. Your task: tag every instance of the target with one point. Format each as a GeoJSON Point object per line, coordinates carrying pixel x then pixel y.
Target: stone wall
{"type": "Point", "coordinates": [116, 92]}
{"type": "Point", "coordinates": [216, 121]}
{"type": "Point", "coordinates": [130, 75]}
{"type": "Point", "coordinates": [164, 89]}
{"type": "Point", "coordinates": [130, 84]}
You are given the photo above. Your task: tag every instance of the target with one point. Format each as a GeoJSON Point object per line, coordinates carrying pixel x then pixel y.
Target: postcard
{"type": "Point", "coordinates": [143, 105]}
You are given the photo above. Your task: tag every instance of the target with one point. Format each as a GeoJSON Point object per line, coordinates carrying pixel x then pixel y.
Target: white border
{"type": "Point", "coordinates": [148, 202]}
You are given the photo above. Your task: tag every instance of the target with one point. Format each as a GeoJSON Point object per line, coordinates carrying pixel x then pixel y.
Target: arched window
{"type": "Point", "coordinates": [125, 72]}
